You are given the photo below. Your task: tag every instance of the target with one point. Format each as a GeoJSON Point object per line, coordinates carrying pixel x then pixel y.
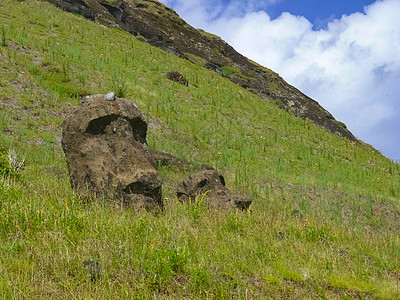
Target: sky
{"type": "Point", "coordinates": [345, 54]}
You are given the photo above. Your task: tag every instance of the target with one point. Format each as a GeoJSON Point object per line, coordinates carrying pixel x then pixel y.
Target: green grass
{"type": "Point", "coordinates": [229, 71]}
{"type": "Point", "coordinates": [324, 221]}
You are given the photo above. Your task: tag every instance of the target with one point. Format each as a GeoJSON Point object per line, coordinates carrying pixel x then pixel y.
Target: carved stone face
{"type": "Point", "coordinates": [106, 150]}
{"type": "Point", "coordinates": [209, 184]}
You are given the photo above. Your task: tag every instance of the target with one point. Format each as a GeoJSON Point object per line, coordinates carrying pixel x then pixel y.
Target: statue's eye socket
{"type": "Point", "coordinates": [98, 127]}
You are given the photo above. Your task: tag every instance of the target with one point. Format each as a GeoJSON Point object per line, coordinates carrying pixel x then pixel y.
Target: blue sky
{"type": "Point", "coordinates": [345, 54]}
{"type": "Point", "coordinates": [317, 12]}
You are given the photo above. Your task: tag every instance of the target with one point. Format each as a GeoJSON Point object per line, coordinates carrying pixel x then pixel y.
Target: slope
{"type": "Point", "coordinates": [162, 27]}
{"type": "Point", "coordinates": [325, 218]}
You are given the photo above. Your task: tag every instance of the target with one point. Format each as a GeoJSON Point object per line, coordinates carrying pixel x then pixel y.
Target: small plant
{"type": "Point", "coordinates": [234, 223]}
{"type": "Point", "coordinates": [314, 233]}
{"type": "Point", "coordinates": [273, 280]}
{"type": "Point", "coordinates": [16, 164]}
{"type": "Point", "coordinates": [163, 265]}
{"type": "Point", "coordinates": [15, 247]}
{"type": "Point", "coordinates": [198, 206]}
{"type": "Point", "coordinates": [4, 167]}
{"type": "Point", "coordinates": [227, 70]}
{"type": "Point", "coordinates": [341, 124]}
{"type": "Point", "coordinates": [272, 87]}
{"type": "Point", "coordinates": [10, 163]}
{"type": "Point", "coordinates": [3, 37]}
{"type": "Point", "coordinates": [121, 89]}
{"type": "Point", "coordinates": [119, 84]}
{"type": "Point", "coordinates": [201, 280]}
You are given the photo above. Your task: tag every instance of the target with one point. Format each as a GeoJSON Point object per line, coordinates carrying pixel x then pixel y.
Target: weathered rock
{"type": "Point", "coordinates": [107, 154]}
{"type": "Point", "coordinates": [110, 96]}
{"type": "Point", "coordinates": [211, 183]}
{"type": "Point", "coordinates": [168, 160]}
{"type": "Point", "coordinates": [92, 268]}
{"type": "Point", "coordinates": [177, 77]}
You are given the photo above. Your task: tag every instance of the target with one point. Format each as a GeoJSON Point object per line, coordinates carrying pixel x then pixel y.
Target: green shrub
{"type": "Point", "coordinates": [228, 70]}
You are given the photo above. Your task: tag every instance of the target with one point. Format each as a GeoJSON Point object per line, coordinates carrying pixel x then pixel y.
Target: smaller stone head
{"type": "Point", "coordinates": [211, 184]}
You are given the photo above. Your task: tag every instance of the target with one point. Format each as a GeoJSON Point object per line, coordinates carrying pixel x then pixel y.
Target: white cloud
{"type": "Point", "coordinates": [200, 13]}
{"type": "Point", "coordinates": [352, 67]}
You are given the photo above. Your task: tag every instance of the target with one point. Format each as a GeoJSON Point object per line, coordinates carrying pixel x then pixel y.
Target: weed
{"type": "Point", "coordinates": [121, 89]}
{"type": "Point", "coordinates": [3, 37]}
{"type": "Point", "coordinates": [15, 247]}
{"type": "Point", "coordinates": [234, 222]}
{"type": "Point", "coordinates": [201, 281]}
{"type": "Point", "coordinates": [119, 85]}
{"type": "Point", "coordinates": [273, 88]}
{"type": "Point", "coordinates": [198, 206]}
{"type": "Point", "coordinates": [11, 164]}
{"type": "Point", "coordinates": [162, 265]}
{"type": "Point", "coordinates": [314, 233]}
{"type": "Point", "coordinates": [227, 70]}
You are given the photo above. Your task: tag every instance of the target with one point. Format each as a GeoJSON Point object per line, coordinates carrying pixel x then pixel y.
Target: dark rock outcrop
{"type": "Point", "coordinates": [107, 154]}
{"type": "Point", "coordinates": [177, 77]}
{"type": "Point", "coordinates": [211, 184]}
{"type": "Point", "coordinates": [160, 26]}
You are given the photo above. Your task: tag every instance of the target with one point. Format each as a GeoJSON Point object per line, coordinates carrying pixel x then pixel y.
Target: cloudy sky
{"type": "Point", "coordinates": [343, 53]}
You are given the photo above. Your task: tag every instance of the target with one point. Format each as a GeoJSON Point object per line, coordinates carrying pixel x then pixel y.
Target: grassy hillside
{"type": "Point", "coordinates": [325, 217]}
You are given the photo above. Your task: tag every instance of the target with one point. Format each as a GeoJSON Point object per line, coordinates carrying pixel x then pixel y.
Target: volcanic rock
{"type": "Point", "coordinates": [107, 154]}
{"type": "Point", "coordinates": [211, 185]}
{"type": "Point", "coordinates": [168, 160]}
{"type": "Point", "coordinates": [110, 96]}
{"type": "Point", "coordinates": [177, 77]}
{"type": "Point", "coordinates": [92, 268]}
